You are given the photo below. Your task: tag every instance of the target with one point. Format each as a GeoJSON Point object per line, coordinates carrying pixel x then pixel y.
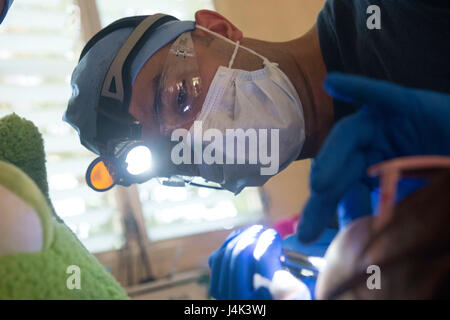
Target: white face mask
{"type": "Point", "coordinates": [249, 100]}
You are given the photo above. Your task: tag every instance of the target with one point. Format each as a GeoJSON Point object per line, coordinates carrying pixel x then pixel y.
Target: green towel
{"type": "Point", "coordinates": [45, 274]}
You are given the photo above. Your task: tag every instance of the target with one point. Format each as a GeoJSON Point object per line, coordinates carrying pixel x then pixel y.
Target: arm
{"type": "Point", "coordinates": [395, 121]}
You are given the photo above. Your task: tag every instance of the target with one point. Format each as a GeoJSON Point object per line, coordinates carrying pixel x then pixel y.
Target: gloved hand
{"type": "Point", "coordinates": [247, 267]}
{"type": "Point", "coordinates": [394, 121]}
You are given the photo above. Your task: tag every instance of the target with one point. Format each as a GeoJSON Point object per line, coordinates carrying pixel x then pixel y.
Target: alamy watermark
{"type": "Point", "coordinates": [374, 280]}
{"type": "Point", "coordinates": [234, 146]}
{"type": "Point", "coordinates": [374, 20]}
{"type": "Point", "coordinates": [74, 279]}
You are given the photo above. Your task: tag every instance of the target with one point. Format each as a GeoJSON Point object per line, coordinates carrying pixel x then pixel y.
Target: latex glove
{"type": "Point", "coordinates": [247, 266]}
{"type": "Point", "coordinates": [394, 121]}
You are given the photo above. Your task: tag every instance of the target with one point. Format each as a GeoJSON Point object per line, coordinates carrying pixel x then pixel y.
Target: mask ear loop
{"type": "Point", "coordinates": [233, 56]}
{"type": "Point", "coordinates": [237, 44]}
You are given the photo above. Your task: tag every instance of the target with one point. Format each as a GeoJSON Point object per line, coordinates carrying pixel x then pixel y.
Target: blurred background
{"type": "Point", "coordinates": [150, 231]}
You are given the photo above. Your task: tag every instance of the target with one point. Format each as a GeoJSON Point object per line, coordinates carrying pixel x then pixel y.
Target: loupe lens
{"type": "Point", "coordinates": [101, 175]}
{"type": "Point", "coordinates": [139, 160]}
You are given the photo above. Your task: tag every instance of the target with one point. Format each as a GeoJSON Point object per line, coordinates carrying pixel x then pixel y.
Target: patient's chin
{"type": "Point", "coordinates": [342, 257]}
{"type": "Point", "coordinates": [20, 225]}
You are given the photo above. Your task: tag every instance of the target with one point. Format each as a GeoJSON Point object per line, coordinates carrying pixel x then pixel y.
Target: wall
{"type": "Point", "coordinates": [271, 20]}
{"type": "Point", "coordinates": [277, 21]}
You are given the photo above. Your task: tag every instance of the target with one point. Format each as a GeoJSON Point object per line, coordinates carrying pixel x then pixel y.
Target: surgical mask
{"type": "Point", "coordinates": [263, 104]}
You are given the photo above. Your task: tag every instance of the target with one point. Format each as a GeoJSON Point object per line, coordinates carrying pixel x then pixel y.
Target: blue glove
{"type": "Point", "coordinates": [394, 121]}
{"type": "Point", "coordinates": [247, 267]}
{"type": "Point", "coordinates": [3, 11]}
{"type": "Point", "coordinates": [233, 265]}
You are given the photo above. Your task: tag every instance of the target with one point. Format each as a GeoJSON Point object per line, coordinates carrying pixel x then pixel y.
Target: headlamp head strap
{"type": "Point", "coordinates": [114, 120]}
{"type": "Point", "coordinates": [116, 88]}
{"type": "Point", "coordinates": [116, 78]}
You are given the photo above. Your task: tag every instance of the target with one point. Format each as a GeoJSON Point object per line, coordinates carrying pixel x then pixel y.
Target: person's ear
{"type": "Point", "coordinates": [218, 23]}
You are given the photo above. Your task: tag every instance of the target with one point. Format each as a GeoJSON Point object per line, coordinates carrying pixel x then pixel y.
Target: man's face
{"type": "Point", "coordinates": [147, 83]}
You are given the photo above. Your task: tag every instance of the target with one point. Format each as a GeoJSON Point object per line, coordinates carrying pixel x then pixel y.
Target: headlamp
{"type": "Point", "coordinates": [133, 162]}
{"type": "Point", "coordinates": [130, 164]}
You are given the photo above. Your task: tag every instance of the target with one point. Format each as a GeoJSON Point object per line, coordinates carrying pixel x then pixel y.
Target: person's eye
{"type": "Point", "coordinates": [182, 98]}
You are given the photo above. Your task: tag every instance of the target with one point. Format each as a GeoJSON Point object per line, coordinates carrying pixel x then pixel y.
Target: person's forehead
{"type": "Point", "coordinates": [154, 65]}
{"type": "Point", "coordinates": [146, 83]}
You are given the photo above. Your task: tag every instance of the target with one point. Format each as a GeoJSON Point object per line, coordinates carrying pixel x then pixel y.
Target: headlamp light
{"type": "Point", "coordinates": [139, 160]}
